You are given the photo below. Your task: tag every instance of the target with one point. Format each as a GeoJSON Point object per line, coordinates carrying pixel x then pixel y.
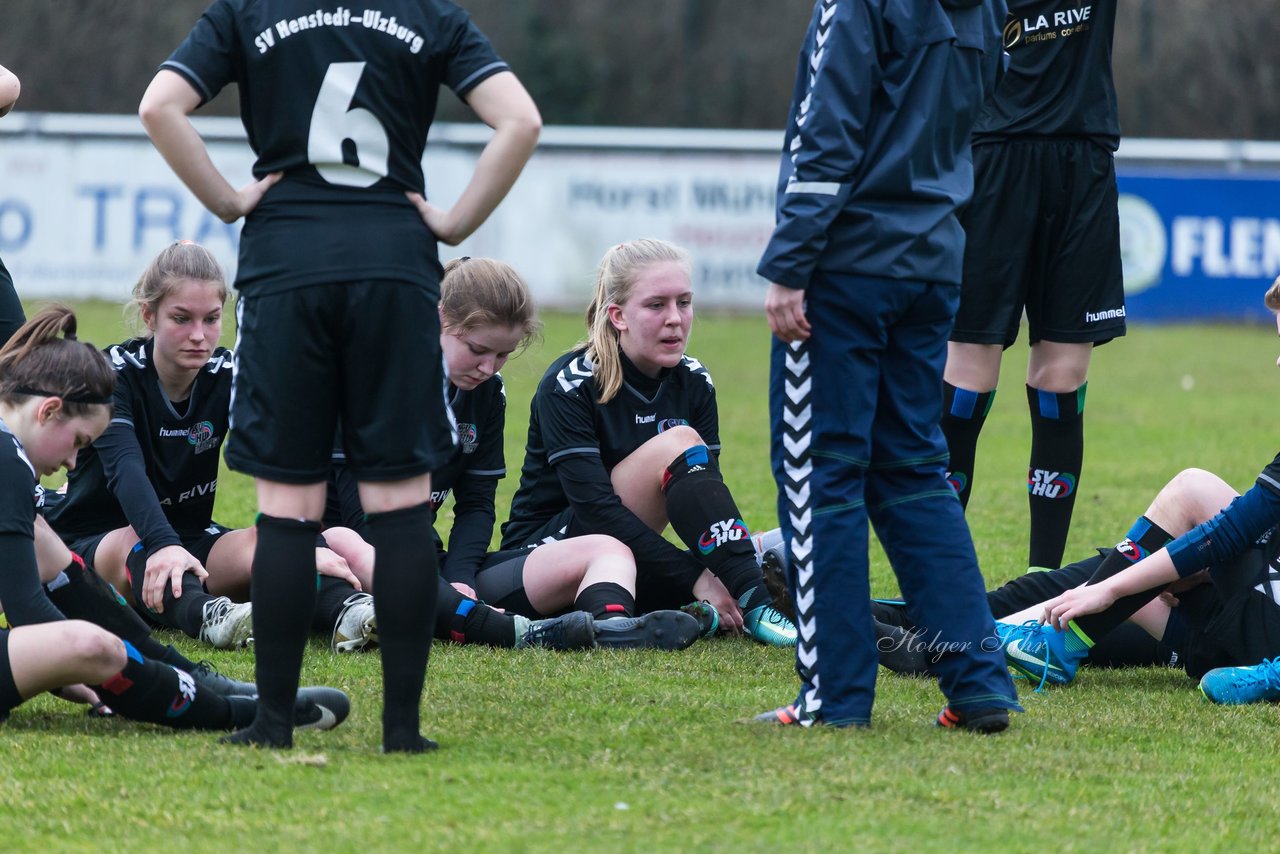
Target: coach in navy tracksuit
{"type": "Point", "coordinates": [866, 261]}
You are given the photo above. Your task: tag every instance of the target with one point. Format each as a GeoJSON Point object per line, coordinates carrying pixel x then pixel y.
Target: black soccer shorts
{"type": "Point", "coordinates": [366, 355]}
{"type": "Point", "coordinates": [1042, 234]}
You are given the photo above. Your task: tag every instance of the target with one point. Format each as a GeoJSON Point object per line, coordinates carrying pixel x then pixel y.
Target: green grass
{"type": "Point", "coordinates": [644, 751]}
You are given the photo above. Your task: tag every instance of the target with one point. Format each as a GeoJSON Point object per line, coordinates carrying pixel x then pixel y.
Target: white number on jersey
{"type": "Point", "coordinates": [332, 124]}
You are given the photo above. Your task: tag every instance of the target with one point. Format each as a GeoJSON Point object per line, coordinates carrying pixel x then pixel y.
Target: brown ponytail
{"type": "Point", "coordinates": [36, 361]}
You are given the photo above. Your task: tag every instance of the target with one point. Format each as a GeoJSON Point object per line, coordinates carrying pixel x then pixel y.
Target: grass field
{"type": "Point", "coordinates": [613, 751]}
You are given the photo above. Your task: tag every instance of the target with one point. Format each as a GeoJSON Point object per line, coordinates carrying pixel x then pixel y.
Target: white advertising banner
{"type": "Point", "coordinates": [83, 216]}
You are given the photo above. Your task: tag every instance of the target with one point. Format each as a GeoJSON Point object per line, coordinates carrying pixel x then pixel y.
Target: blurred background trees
{"type": "Point", "coordinates": [1184, 68]}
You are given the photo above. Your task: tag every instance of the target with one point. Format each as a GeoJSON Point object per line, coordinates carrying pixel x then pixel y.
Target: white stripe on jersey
{"type": "Point", "coordinates": [695, 367]}
{"type": "Point", "coordinates": [575, 372]}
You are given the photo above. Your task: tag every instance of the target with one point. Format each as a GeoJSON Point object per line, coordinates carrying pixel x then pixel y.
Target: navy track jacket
{"type": "Point", "coordinates": [876, 159]}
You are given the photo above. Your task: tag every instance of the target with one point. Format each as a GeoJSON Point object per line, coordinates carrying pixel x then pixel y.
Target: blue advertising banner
{"type": "Point", "coordinates": [1198, 246]}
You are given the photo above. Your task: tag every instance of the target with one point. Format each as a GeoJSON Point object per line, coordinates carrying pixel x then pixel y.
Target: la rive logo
{"type": "Point", "coordinates": [1046, 27]}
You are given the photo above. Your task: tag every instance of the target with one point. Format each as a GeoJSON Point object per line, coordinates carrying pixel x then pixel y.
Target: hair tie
{"type": "Point", "coordinates": [186, 242]}
{"type": "Point", "coordinates": [82, 397]}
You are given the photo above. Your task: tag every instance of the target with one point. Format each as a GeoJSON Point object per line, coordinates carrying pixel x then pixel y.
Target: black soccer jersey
{"type": "Point", "coordinates": [1059, 80]}
{"type": "Point", "coordinates": [472, 476]}
{"type": "Point", "coordinates": [339, 98]}
{"type": "Point", "coordinates": [567, 421]}
{"type": "Point", "coordinates": [156, 466]}
{"type": "Point", "coordinates": [24, 599]}
{"type": "Point", "coordinates": [18, 483]}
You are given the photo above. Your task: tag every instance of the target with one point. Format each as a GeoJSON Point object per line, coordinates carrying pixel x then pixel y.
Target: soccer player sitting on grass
{"type": "Point", "coordinates": [55, 399]}
{"type": "Point", "coordinates": [624, 439]}
{"type": "Point", "coordinates": [486, 315]}
{"type": "Point", "coordinates": [1221, 630]}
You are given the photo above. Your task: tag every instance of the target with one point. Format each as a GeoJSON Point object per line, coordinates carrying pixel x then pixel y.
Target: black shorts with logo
{"type": "Point", "coordinates": [1042, 233]}
{"type": "Point", "coordinates": [366, 355]}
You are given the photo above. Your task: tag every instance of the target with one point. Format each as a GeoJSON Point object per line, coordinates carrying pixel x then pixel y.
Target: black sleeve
{"type": "Point", "coordinates": [468, 56]}
{"type": "Point", "coordinates": [126, 472]}
{"type": "Point", "coordinates": [590, 492]}
{"type": "Point", "coordinates": [24, 599]}
{"type": "Point", "coordinates": [473, 518]}
{"type": "Point", "coordinates": [207, 57]}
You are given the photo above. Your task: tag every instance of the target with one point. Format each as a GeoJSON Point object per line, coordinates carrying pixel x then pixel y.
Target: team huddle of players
{"type": "Point", "coordinates": [339, 348]}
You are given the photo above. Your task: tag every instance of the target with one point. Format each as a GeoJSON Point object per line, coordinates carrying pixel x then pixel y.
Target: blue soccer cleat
{"type": "Point", "coordinates": [1039, 652]}
{"type": "Point", "coordinates": [767, 625]}
{"type": "Point", "coordinates": [1235, 686]}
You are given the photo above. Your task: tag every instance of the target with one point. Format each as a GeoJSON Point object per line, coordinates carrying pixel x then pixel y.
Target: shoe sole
{"type": "Point", "coordinates": [989, 722]}
{"type": "Point", "coordinates": [775, 581]}
{"type": "Point", "coordinates": [665, 630]}
{"type": "Point", "coordinates": [898, 650]}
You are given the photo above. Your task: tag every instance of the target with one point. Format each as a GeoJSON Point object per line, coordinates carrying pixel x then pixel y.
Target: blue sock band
{"type": "Point", "coordinates": [464, 607]}
{"type": "Point", "coordinates": [697, 456]}
{"type": "Point", "coordinates": [132, 651]}
{"type": "Point", "coordinates": [964, 403]}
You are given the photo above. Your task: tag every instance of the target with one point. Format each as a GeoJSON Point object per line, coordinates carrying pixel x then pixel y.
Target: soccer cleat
{"type": "Point", "coordinates": [891, 612]}
{"type": "Point", "coordinates": [766, 624]}
{"type": "Point", "coordinates": [781, 716]}
{"type": "Point", "coordinates": [357, 625]}
{"type": "Point", "coordinates": [985, 721]}
{"type": "Point", "coordinates": [707, 616]}
{"type": "Point", "coordinates": [227, 624]}
{"type": "Point", "coordinates": [320, 708]}
{"type": "Point", "coordinates": [775, 569]}
{"type": "Point", "coordinates": [669, 630]}
{"type": "Point", "coordinates": [575, 630]}
{"type": "Point", "coordinates": [1038, 652]}
{"type": "Point", "coordinates": [207, 676]}
{"type": "Point", "coordinates": [1235, 686]}
{"type": "Point", "coordinates": [901, 650]}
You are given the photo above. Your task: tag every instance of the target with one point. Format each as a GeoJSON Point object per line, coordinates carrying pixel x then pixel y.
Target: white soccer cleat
{"type": "Point", "coordinates": [357, 626]}
{"type": "Point", "coordinates": [227, 624]}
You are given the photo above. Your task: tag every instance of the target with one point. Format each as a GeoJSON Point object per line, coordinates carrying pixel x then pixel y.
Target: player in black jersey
{"type": "Point", "coordinates": [55, 398]}
{"type": "Point", "coordinates": [487, 313]}
{"type": "Point", "coordinates": [623, 439]}
{"type": "Point", "coordinates": [1044, 237]}
{"type": "Point", "coordinates": [139, 506]}
{"type": "Point", "coordinates": [11, 315]}
{"type": "Point", "coordinates": [339, 279]}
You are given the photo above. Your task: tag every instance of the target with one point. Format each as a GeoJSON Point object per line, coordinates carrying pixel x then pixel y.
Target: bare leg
{"type": "Point", "coordinates": [555, 573]}
{"type": "Point", "coordinates": [71, 652]}
{"type": "Point", "coordinates": [975, 367]}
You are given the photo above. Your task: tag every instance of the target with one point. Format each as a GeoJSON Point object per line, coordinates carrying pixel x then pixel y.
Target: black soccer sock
{"type": "Point", "coordinates": [283, 591]}
{"type": "Point", "coordinates": [185, 612]}
{"type": "Point", "coordinates": [463, 620]}
{"type": "Point", "coordinates": [404, 598]}
{"type": "Point", "coordinates": [81, 594]}
{"type": "Point", "coordinates": [331, 600]}
{"type": "Point", "coordinates": [1053, 473]}
{"type": "Point", "coordinates": [704, 515]}
{"type": "Point", "coordinates": [1144, 538]}
{"type": "Point", "coordinates": [963, 414]}
{"type": "Point", "coordinates": [604, 600]}
{"type": "Point", "coordinates": [156, 693]}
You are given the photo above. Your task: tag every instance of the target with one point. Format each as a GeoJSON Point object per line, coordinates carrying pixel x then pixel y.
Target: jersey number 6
{"type": "Point", "coordinates": [334, 122]}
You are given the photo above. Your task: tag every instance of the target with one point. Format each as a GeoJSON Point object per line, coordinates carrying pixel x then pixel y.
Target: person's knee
{"type": "Point", "coordinates": [1190, 497]}
{"type": "Point", "coordinates": [101, 653]}
{"type": "Point", "coordinates": [676, 440]}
